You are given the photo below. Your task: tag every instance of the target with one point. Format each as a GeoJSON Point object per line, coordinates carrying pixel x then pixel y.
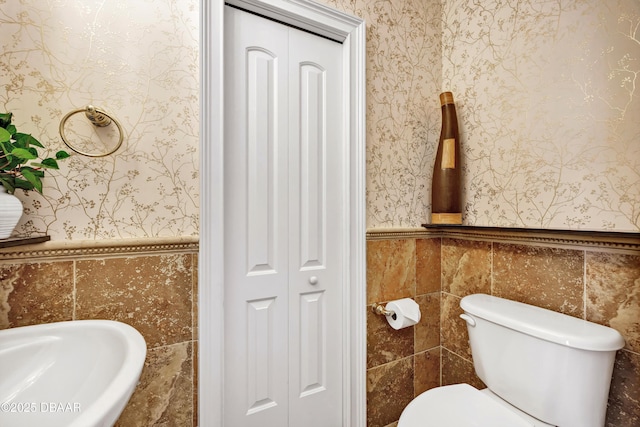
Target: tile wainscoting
{"type": "Point", "coordinates": [150, 284]}
{"type": "Point", "coordinates": [593, 276]}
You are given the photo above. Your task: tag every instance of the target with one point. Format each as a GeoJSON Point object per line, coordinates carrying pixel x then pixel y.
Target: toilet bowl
{"type": "Point", "coordinates": [462, 405]}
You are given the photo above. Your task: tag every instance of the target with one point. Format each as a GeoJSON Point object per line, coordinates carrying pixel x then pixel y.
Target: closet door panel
{"type": "Point", "coordinates": [312, 344]}
{"type": "Point", "coordinates": [316, 219]}
{"type": "Point", "coordinates": [256, 226]}
{"type": "Point", "coordinates": [312, 165]}
{"type": "Point", "coordinates": [262, 150]}
{"type": "Point", "coordinates": [284, 221]}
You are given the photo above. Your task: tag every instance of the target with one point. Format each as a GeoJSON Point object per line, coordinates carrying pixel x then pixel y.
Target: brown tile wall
{"type": "Point", "coordinates": [597, 286]}
{"type": "Point", "coordinates": [401, 364]}
{"type": "Point", "coordinates": [156, 294]}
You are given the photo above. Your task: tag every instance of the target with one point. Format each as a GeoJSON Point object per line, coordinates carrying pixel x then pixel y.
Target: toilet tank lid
{"type": "Point", "coordinates": [542, 323]}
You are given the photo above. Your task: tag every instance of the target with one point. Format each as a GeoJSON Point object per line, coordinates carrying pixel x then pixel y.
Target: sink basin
{"type": "Point", "coordinates": [69, 374]}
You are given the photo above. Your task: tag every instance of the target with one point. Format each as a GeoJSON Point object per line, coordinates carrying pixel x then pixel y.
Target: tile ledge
{"type": "Point", "coordinates": [391, 233]}
{"type": "Point", "coordinates": [571, 239]}
{"type": "Point", "coordinates": [74, 249]}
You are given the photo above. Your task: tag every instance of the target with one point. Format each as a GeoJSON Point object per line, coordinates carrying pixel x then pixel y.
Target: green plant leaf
{"type": "Point", "coordinates": [33, 179]}
{"type": "Point", "coordinates": [19, 166]}
{"type": "Point", "coordinates": [18, 141]}
{"type": "Point", "coordinates": [33, 170]}
{"type": "Point", "coordinates": [62, 155]}
{"type": "Point", "coordinates": [6, 183]}
{"type": "Point", "coordinates": [25, 140]}
{"type": "Point", "coordinates": [6, 146]}
{"type": "Point", "coordinates": [9, 163]}
{"type": "Point", "coordinates": [24, 184]}
{"type": "Point", "coordinates": [5, 119]}
{"type": "Point", "coordinates": [5, 136]}
{"type": "Point", "coordinates": [24, 153]}
{"type": "Point", "coordinates": [50, 163]}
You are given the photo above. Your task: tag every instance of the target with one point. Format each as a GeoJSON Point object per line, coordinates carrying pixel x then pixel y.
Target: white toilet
{"type": "Point", "coordinates": [541, 368]}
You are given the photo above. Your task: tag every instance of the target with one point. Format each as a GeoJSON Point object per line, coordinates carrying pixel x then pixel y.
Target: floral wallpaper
{"type": "Point", "coordinates": [404, 70]}
{"type": "Point", "coordinates": [545, 91]}
{"type": "Point", "coordinates": [137, 60]}
{"type": "Point", "coordinates": [549, 100]}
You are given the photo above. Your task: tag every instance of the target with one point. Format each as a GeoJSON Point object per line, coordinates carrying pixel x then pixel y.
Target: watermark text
{"type": "Point", "coordinates": [40, 407]}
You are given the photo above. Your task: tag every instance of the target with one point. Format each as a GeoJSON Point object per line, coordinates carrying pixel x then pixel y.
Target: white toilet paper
{"type": "Point", "coordinates": [407, 313]}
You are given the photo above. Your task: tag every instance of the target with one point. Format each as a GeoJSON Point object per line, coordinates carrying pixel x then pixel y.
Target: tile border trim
{"type": "Point", "coordinates": [81, 249]}
{"type": "Point", "coordinates": [580, 240]}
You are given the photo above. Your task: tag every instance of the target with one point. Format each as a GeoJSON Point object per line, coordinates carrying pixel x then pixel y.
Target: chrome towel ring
{"type": "Point", "coordinates": [97, 117]}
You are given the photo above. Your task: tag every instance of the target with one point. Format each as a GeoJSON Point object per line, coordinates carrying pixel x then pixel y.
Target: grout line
{"type": "Point", "coordinates": [390, 362]}
{"type": "Point", "coordinates": [404, 357]}
{"type": "Point", "coordinates": [440, 320]}
{"type": "Point", "coordinates": [440, 382]}
{"type": "Point", "coordinates": [74, 290]}
{"type": "Point", "coordinates": [584, 284]}
{"type": "Point", "coordinates": [491, 272]}
{"type": "Point", "coordinates": [630, 351]}
{"type": "Point", "coordinates": [415, 269]}
{"type": "Point", "coordinates": [454, 353]}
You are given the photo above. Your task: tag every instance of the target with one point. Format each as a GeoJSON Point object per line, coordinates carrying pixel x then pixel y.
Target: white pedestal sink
{"type": "Point", "coordinates": [68, 374]}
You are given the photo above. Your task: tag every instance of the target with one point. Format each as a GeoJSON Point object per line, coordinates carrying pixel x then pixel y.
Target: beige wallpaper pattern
{"type": "Point", "coordinates": [545, 90]}
{"type": "Point", "coordinates": [550, 110]}
{"type": "Point", "coordinates": [138, 60]}
{"type": "Point", "coordinates": [547, 102]}
{"type": "Point", "coordinates": [403, 110]}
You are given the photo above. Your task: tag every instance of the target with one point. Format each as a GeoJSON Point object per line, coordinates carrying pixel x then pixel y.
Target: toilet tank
{"type": "Point", "coordinates": [555, 367]}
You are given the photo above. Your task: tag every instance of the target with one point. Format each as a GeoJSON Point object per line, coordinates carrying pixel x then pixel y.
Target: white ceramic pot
{"type": "Point", "coordinates": [10, 212]}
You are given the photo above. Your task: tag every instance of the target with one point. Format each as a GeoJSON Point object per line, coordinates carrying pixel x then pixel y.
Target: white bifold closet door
{"type": "Point", "coordinates": [284, 223]}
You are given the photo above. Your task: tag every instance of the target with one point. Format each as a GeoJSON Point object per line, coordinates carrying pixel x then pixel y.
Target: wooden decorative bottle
{"type": "Point", "coordinates": [446, 206]}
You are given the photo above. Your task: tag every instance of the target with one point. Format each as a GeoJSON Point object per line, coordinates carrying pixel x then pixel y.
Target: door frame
{"type": "Point", "coordinates": [350, 31]}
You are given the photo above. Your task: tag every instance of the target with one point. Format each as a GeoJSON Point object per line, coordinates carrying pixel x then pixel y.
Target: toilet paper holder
{"type": "Point", "coordinates": [379, 309]}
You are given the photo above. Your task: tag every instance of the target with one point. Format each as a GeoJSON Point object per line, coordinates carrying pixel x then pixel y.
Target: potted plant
{"type": "Point", "coordinates": [19, 169]}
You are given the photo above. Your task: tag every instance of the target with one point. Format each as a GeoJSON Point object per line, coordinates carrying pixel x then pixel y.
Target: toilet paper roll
{"type": "Point", "coordinates": [407, 313]}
